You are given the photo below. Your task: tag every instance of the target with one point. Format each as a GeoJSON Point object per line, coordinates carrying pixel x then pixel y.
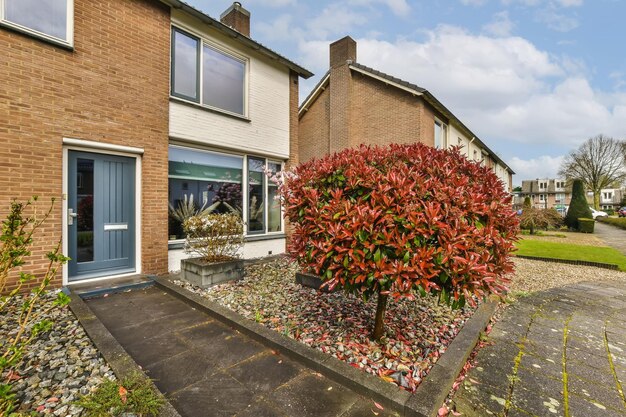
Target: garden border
{"type": "Point", "coordinates": [114, 354]}
{"type": "Point", "coordinates": [424, 402]}
{"type": "Point", "coordinates": [612, 267]}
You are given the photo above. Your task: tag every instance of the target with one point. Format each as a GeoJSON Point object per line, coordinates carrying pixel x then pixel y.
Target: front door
{"type": "Point", "coordinates": [101, 215]}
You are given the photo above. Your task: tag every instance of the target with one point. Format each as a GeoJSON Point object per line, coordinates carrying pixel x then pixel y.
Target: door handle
{"type": "Point", "coordinates": [71, 216]}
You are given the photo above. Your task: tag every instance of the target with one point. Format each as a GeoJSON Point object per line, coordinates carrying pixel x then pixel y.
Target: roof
{"type": "Point", "coordinates": [245, 40]}
{"type": "Point", "coordinates": [407, 86]}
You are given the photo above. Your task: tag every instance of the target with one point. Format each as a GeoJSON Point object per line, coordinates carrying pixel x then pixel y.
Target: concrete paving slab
{"type": "Point", "coordinates": [564, 356]}
{"type": "Point", "coordinates": [206, 368]}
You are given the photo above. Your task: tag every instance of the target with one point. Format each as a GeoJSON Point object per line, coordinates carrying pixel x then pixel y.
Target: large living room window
{"type": "Point", "coordinates": [48, 19]}
{"type": "Point", "coordinates": [202, 180]}
{"type": "Point", "coordinates": [206, 180]}
{"type": "Point", "coordinates": [207, 75]}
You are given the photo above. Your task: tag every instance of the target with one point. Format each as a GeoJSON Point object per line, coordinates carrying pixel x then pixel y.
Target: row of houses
{"type": "Point", "coordinates": [129, 109]}
{"type": "Point", "coordinates": [557, 193]}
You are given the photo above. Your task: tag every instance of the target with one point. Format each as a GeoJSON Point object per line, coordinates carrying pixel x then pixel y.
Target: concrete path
{"type": "Point", "coordinates": [560, 352]}
{"type": "Point", "coordinates": [208, 369]}
{"type": "Point", "coordinates": [611, 235]}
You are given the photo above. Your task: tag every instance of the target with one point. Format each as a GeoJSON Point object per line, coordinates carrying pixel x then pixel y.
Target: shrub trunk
{"type": "Point", "coordinates": [379, 322]}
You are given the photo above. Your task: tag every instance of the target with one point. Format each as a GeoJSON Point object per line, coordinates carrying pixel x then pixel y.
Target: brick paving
{"type": "Point", "coordinates": [208, 369]}
{"type": "Point", "coordinates": [560, 352]}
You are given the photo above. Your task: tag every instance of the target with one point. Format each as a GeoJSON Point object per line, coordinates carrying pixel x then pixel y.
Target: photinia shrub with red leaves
{"type": "Point", "coordinates": [401, 220]}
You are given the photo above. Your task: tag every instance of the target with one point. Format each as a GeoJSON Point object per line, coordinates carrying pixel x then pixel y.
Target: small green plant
{"type": "Point", "coordinates": [16, 240]}
{"type": "Point", "coordinates": [133, 394]}
{"type": "Point", "coordinates": [215, 237]}
{"type": "Point", "coordinates": [258, 317]}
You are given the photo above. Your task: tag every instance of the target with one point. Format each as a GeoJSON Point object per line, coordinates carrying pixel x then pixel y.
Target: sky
{"type": "Point", "coordinates": [533, 79]}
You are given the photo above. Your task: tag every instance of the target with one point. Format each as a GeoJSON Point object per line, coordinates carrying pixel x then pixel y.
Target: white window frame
{"type": "Point", "coordinates": [266, 213]}
{"type": "Point", "coordinates": [444, 133]}
{"type": "Point", "coordinates": [203, 41]}
{"type": "Point", "coordinates": [69, 30]}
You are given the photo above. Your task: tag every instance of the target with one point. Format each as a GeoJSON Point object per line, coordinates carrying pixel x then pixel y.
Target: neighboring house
{"type": "Point", "coordinates": [544, 193]}
{"type": "Point", "coordinates": [89, 112]}
{"type": "Point", "coordinates": [611, 198]}
{"type": "Point", "coordinates": [355, 104]}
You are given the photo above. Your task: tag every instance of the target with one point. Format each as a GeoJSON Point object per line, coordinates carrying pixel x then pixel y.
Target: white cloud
{"type": "Point", "coordinates": [570, 3]}
{"type": "Point", "coordinates": [501, 25]}
{"type": "Point", "coordinates": [557, 21]}
{"type": "Point", "coordinates": [397, 7]}
{"type": "Point", "coordinates": [544, 166]}
{"type": "Point", "coordinates": [274, 3]}
{"type": "Point", "coordinates": [474, 2]}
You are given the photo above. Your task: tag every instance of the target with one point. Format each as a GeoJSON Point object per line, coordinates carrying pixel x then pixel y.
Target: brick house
{"type": "Point", "coordinates": [544, 193]}
{"type": "Point", "coordinates": [120, 107]}
{"type": "Point", "coordinates": [355, 104]}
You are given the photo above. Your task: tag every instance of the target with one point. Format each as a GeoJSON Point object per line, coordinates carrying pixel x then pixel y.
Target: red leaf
{"type": "Point", "coordinates": [123, 391]}
{"type": "Point", "coordinates": [380, 407]}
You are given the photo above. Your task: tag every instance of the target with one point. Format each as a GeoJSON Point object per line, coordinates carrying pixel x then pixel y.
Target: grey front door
{"type": "Point", "coordinates": [101, 215]}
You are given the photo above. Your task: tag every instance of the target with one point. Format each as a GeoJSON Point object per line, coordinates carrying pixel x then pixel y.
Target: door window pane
{"type": "Point", "coordinates": [223, 80]}
{"type": "Point", "coordinates": [46, 16]}
{"type": "Point", "coordinates": [273, 211]}
{"type": "Point", "coordinates": [185, 65]}
{"type": "Point", "coordinates": [256, 203]}
{"type": "Point", "coordinates": [84, 209]}
{"type": "Point", "coordinates": [200, 181]}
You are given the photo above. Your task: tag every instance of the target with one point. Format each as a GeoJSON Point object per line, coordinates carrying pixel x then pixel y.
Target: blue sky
{"type": "Point", "coordinates": [532, 78]}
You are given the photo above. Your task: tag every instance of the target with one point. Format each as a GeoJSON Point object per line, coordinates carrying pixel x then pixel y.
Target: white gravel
{"type": "Point", "coordinates": [531, 276]}
{"type": "Point", "coordinates": [58, 366]}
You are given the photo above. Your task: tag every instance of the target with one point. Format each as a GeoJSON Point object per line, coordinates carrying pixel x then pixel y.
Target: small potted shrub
{"type": "Point", "coordinates": [217, 239]}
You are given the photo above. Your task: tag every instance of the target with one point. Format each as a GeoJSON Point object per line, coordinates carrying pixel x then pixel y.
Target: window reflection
{"type": "Point", "coordinates": [256, 204]}
{"type": "Point", "coordinates": [202, 181]}
{"type": "Point", "coordinates": [45, 16]}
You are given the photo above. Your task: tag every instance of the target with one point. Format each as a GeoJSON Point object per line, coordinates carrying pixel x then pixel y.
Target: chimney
{"type": "Point", "coordinates": [341, 51]}
{"type": "Point", "coordinates": [237, 18]}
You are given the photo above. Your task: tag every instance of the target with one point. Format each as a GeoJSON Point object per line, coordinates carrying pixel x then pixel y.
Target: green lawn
{"type": "Point", "coordinates": [571, 252]}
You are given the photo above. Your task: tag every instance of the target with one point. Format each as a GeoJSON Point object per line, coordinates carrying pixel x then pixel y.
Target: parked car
{"type": "Point", "coordinates": [596, 213]}
{"type": "Point", "coordinates": [621, 212]}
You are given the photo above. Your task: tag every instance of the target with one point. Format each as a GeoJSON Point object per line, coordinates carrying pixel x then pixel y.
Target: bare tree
{"type": "Point", "coordinates": [599, 163]}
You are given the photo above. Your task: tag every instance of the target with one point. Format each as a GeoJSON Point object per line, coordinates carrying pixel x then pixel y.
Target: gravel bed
{"type": "Point", "coordinates": [531, 276]}
{"type": "Point", "coordinates": [58, 366]}
{"type": "Point", "coordinates": [572, 238]}
{"type": "Point", "coordinates": [417, 331]}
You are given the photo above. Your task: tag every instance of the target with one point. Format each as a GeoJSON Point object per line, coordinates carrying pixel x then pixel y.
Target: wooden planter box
{"type": "Point", "coordinates": [202, 274]}
{"type": "Point", "coordinates": [312, 281]}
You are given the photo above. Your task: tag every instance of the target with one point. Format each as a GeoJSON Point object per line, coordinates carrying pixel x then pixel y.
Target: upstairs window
{"type": "Point", "coordinates": [48, 19]}
{"type": "Point", "coordinates": [441, 134]}
{"type": "Point", "coordinates": [206, 75]}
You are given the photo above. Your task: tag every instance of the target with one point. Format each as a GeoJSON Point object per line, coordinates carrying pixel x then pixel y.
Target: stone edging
{"type": "Point", "coordinates": [570, 262]}
{"type": "Point", "coordinates": [426, 400]}
{"type": "Point", "coordinates": [120, 362]}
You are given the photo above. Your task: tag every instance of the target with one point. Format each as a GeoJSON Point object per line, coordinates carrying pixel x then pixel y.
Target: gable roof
{"type": "Point", "coordinates": [245, 40]}
{"type": "Point", "coordinates": [403, 85]}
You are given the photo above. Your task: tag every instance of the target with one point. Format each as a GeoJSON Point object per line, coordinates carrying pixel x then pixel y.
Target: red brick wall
{"type": "Point", "coordinates": [112, 88]}
{"type": "Point", "coordinates": [383, 114]}
{"type": "Point", "coordinates": [362, 110]}
{"type": "Point", "coordinates": [313, 129]}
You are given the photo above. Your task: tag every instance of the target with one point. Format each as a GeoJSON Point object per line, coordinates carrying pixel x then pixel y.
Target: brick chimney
{"type": "Point", "coordinates": [237, 18]}
{"type": "Point", "coordinates": [342, 52]}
